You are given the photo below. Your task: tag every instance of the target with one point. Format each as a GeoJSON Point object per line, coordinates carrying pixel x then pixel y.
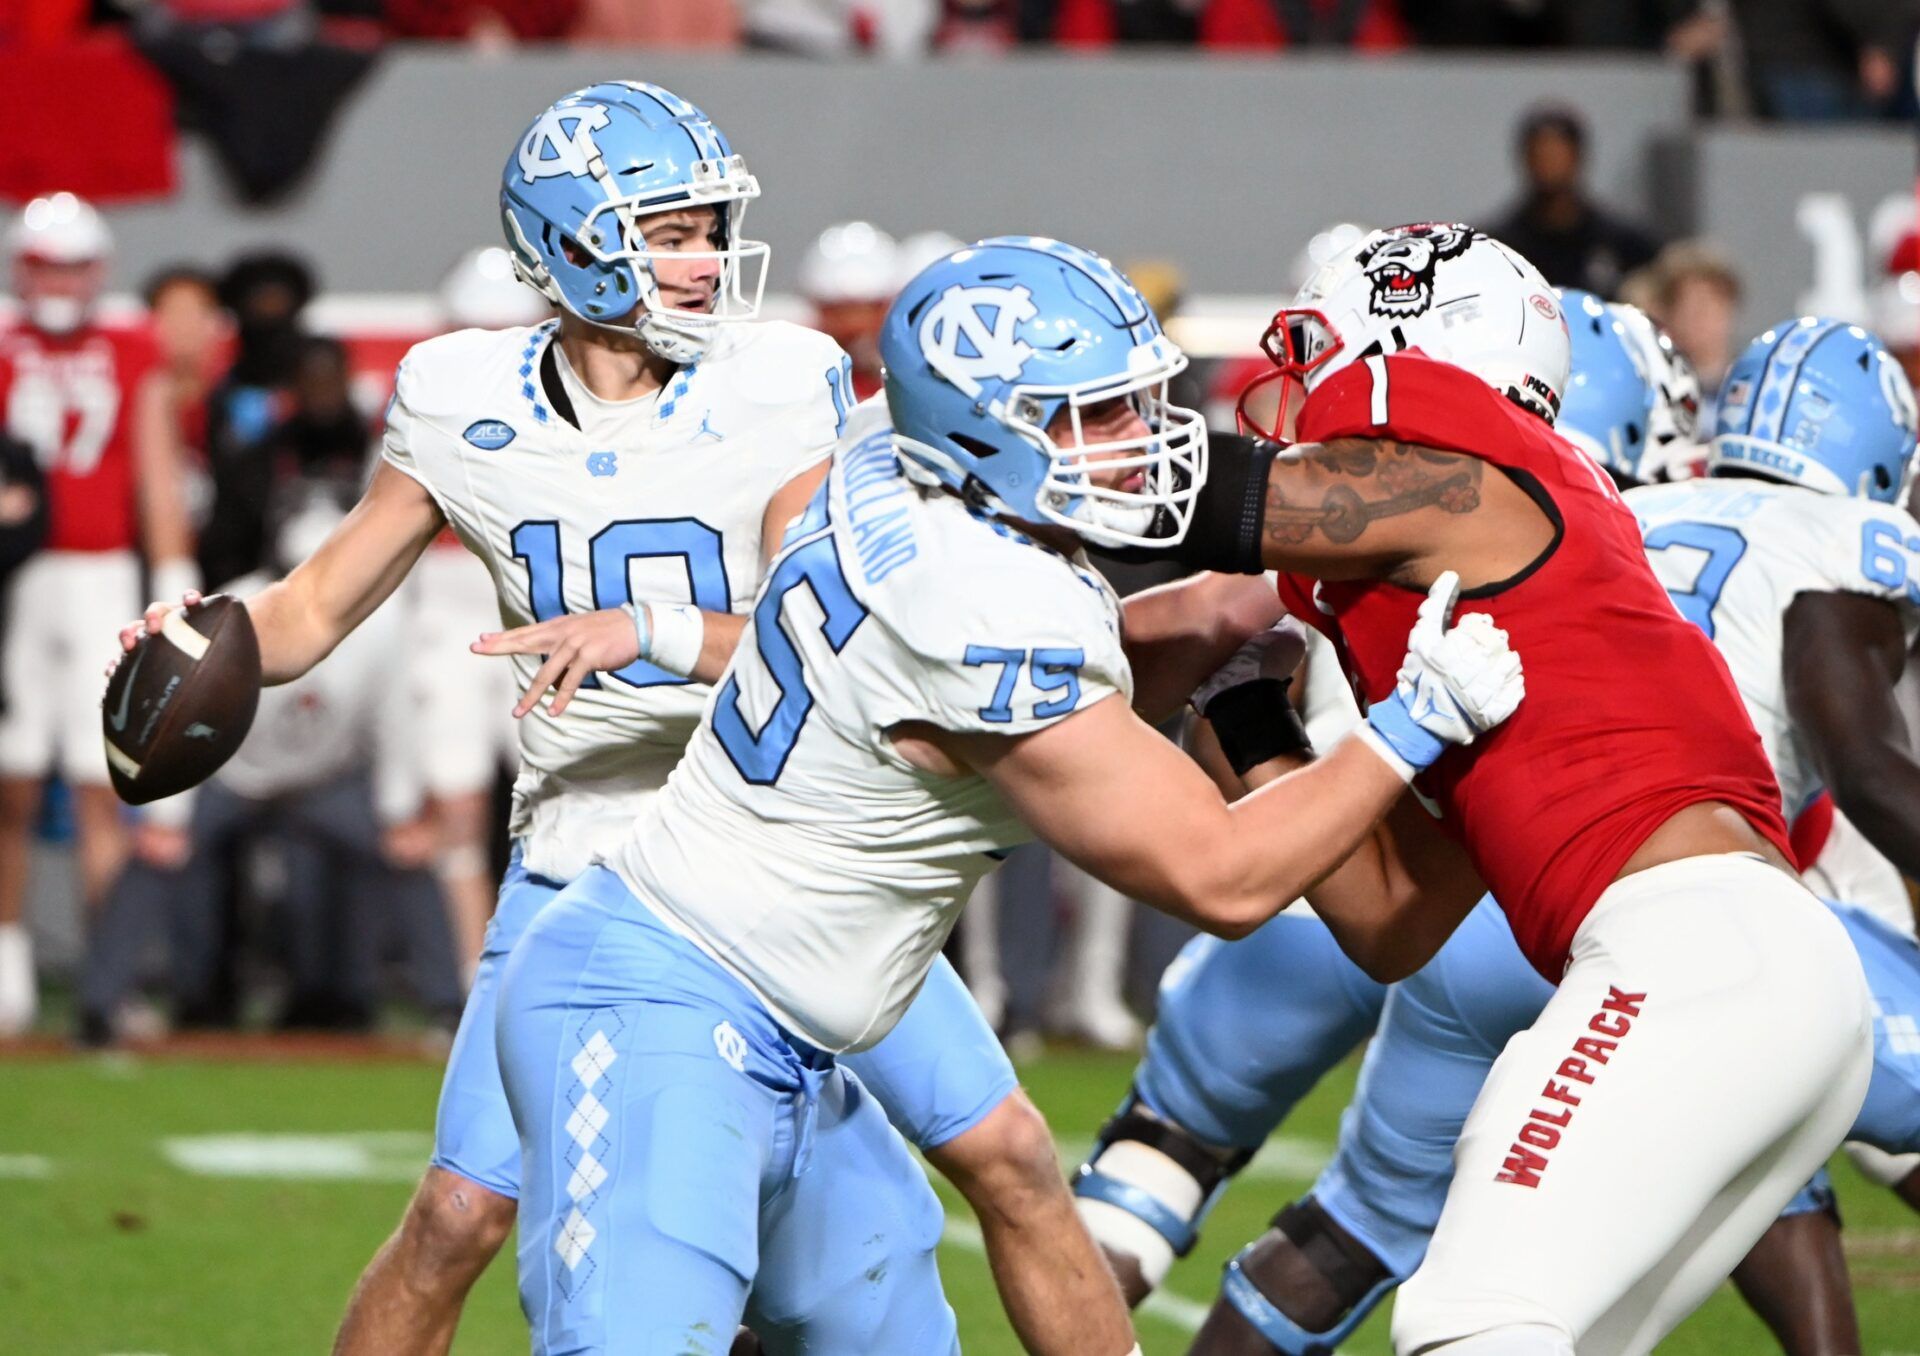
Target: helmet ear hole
{"type": "Point", "coordinates": [1881, 479]}
{"type": "Point", "coordinates": [978, 447]}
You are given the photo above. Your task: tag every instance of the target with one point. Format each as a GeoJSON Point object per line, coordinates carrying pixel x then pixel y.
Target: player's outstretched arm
{"type": "Point", "coordinates": [1121, 802]}
{"type": "Point", "coordinates": [1177, 634]}
{"type": "Point", "coordinates": [1843, 654]}
{"type": "Point", "coordinates": [1362, 508]}
{"type": "Point", "coordinates": [1113, 796]}
{"type": "Point", "coordinates": [302, 617]}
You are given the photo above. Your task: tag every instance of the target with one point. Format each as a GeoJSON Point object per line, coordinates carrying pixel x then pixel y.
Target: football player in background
{"type": "Point", "coordinates": [86, 397]}
{"type": "Point", "coordinates": [848, 275]}
{"type": "Point", "coordinates": [623, 472]}
{"type": "Point", "coordinates": [1626, 819]}
{"type": "Point", "coordinates": [932, 673]}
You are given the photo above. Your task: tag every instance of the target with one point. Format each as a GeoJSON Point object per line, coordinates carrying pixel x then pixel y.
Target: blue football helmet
{"type": "Point", "coordinates": [1819, 403]}
{"type": "Point", "coordinates": [1608, 406]}
{"type": "Point", "coordinates": [578, 186]}
{"type": "Point", "coordinates": [986, 347]}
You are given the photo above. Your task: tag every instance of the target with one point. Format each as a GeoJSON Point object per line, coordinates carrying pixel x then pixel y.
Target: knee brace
{"type": "Point", "coordinates": [1355, 1275]}
{"type": "Point", "coordinates": [1148, 1185]}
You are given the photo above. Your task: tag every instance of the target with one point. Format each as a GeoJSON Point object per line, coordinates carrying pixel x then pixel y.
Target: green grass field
{"type": "Point", "coordinates": [180, 1207]}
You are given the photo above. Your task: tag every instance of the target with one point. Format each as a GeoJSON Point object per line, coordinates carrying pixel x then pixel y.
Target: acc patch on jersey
{"type": "Point", "coordinates": [489, 435]}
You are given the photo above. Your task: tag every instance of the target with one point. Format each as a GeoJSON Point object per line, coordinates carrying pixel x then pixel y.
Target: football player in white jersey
{"type": "Point", "coordinates": [625, 470]}
{"type": "Point", "coordinates": [1804, 566]}
{"type": "Point", "coordinates": [931, 673]}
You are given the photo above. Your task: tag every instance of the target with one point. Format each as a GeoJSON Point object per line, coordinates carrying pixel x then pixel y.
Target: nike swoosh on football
{"type": "Point", "coordinates": [118, 719]}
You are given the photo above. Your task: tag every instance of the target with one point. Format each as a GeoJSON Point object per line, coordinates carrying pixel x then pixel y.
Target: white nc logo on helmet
{"type": "Point", "coordinates": [963, 345]}
{"type": "Point", "coordinates": [562, 142]}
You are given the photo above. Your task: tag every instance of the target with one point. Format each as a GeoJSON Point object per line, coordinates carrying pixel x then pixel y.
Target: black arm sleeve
{"type": "Point", "coordinates": [1228, 513]}
{"type": "Point", "coordinates": [20, 540]}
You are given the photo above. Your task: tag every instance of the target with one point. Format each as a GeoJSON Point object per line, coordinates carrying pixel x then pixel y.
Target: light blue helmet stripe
{"type": "Point", "coordinates": [1833, 414]}
{"type": "Point", "coordinates": [1767, 412]}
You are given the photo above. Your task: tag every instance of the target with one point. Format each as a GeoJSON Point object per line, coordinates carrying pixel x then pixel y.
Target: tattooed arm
{"type": "Point", "coordinates": [1367, 508]}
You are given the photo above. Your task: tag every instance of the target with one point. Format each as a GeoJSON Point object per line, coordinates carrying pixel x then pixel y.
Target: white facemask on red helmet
{"type": "Point", "coordinates": [1456, 294]}
{"type": "Point", "coordinates": [59, 229]}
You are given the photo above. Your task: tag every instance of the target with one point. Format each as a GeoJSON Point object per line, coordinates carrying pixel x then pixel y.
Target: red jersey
{"type": "Point", "coordinates": [71, 399]}
{"type": "Point", "coordinates": [1630, 715]}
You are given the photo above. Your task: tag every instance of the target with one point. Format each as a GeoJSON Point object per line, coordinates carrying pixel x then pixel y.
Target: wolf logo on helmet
{"type": "Point", "coordinates": [1401, 265]}
{"type": "Point", "coordinates": [1455, 293]}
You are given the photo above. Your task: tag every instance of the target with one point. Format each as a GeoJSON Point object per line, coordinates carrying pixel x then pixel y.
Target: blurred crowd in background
{"type": "Point", "coordinates": [349, 855]}
{"type": "Point", "coordinates": [1800, 58]}
{"type": "Point", "coordinates": [261, 78]}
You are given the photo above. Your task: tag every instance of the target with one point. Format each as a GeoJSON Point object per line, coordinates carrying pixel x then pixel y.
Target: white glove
{"type": "Point", "coordinates": [1456, 682]}
{"type": "Point", "coordinates": [1275, 653]}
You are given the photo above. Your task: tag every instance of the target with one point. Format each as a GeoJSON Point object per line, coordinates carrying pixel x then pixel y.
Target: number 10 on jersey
{"type": "Point", "coordinates": [610, 551]}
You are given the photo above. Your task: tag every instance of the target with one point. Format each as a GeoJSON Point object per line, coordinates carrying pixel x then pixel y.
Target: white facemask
{"type": "Point", "coordinates": [57, 315]}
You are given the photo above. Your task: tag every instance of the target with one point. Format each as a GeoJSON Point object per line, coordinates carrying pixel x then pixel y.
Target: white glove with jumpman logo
{"type": "Point", "coordinates": [1457, 682]}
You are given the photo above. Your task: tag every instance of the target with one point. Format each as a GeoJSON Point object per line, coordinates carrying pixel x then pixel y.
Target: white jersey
{"type": "Point", "coordinates": [661, 498]}
{"type": "Point", "coordinates": [1734, 554]}
{"type": "Point", "coordinates": [794, 844]}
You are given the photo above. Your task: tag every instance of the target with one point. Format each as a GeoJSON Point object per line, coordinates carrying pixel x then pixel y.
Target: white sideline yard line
{"type": "Point", "coordinates": [378, 1156]}
{"type": "Point", "coordinates": [1185, 1314]}
{"type": "Point", "coordinates": [28, 1166]}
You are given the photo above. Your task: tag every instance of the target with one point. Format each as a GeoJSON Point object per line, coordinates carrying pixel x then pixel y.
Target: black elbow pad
{"type": "Point", "coordinates": [1228, 513]}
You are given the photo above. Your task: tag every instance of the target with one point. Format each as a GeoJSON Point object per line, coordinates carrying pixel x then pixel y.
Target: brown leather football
{"type": "Point", "coordinates": [178, 706]}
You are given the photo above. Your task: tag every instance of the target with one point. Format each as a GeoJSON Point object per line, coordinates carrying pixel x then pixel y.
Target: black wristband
{"type": "Point", "coordinates": [1255, 722]}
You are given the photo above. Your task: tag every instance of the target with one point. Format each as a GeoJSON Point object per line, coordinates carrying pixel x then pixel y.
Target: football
{"type": "Point", "coordinates": [178, 706]}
